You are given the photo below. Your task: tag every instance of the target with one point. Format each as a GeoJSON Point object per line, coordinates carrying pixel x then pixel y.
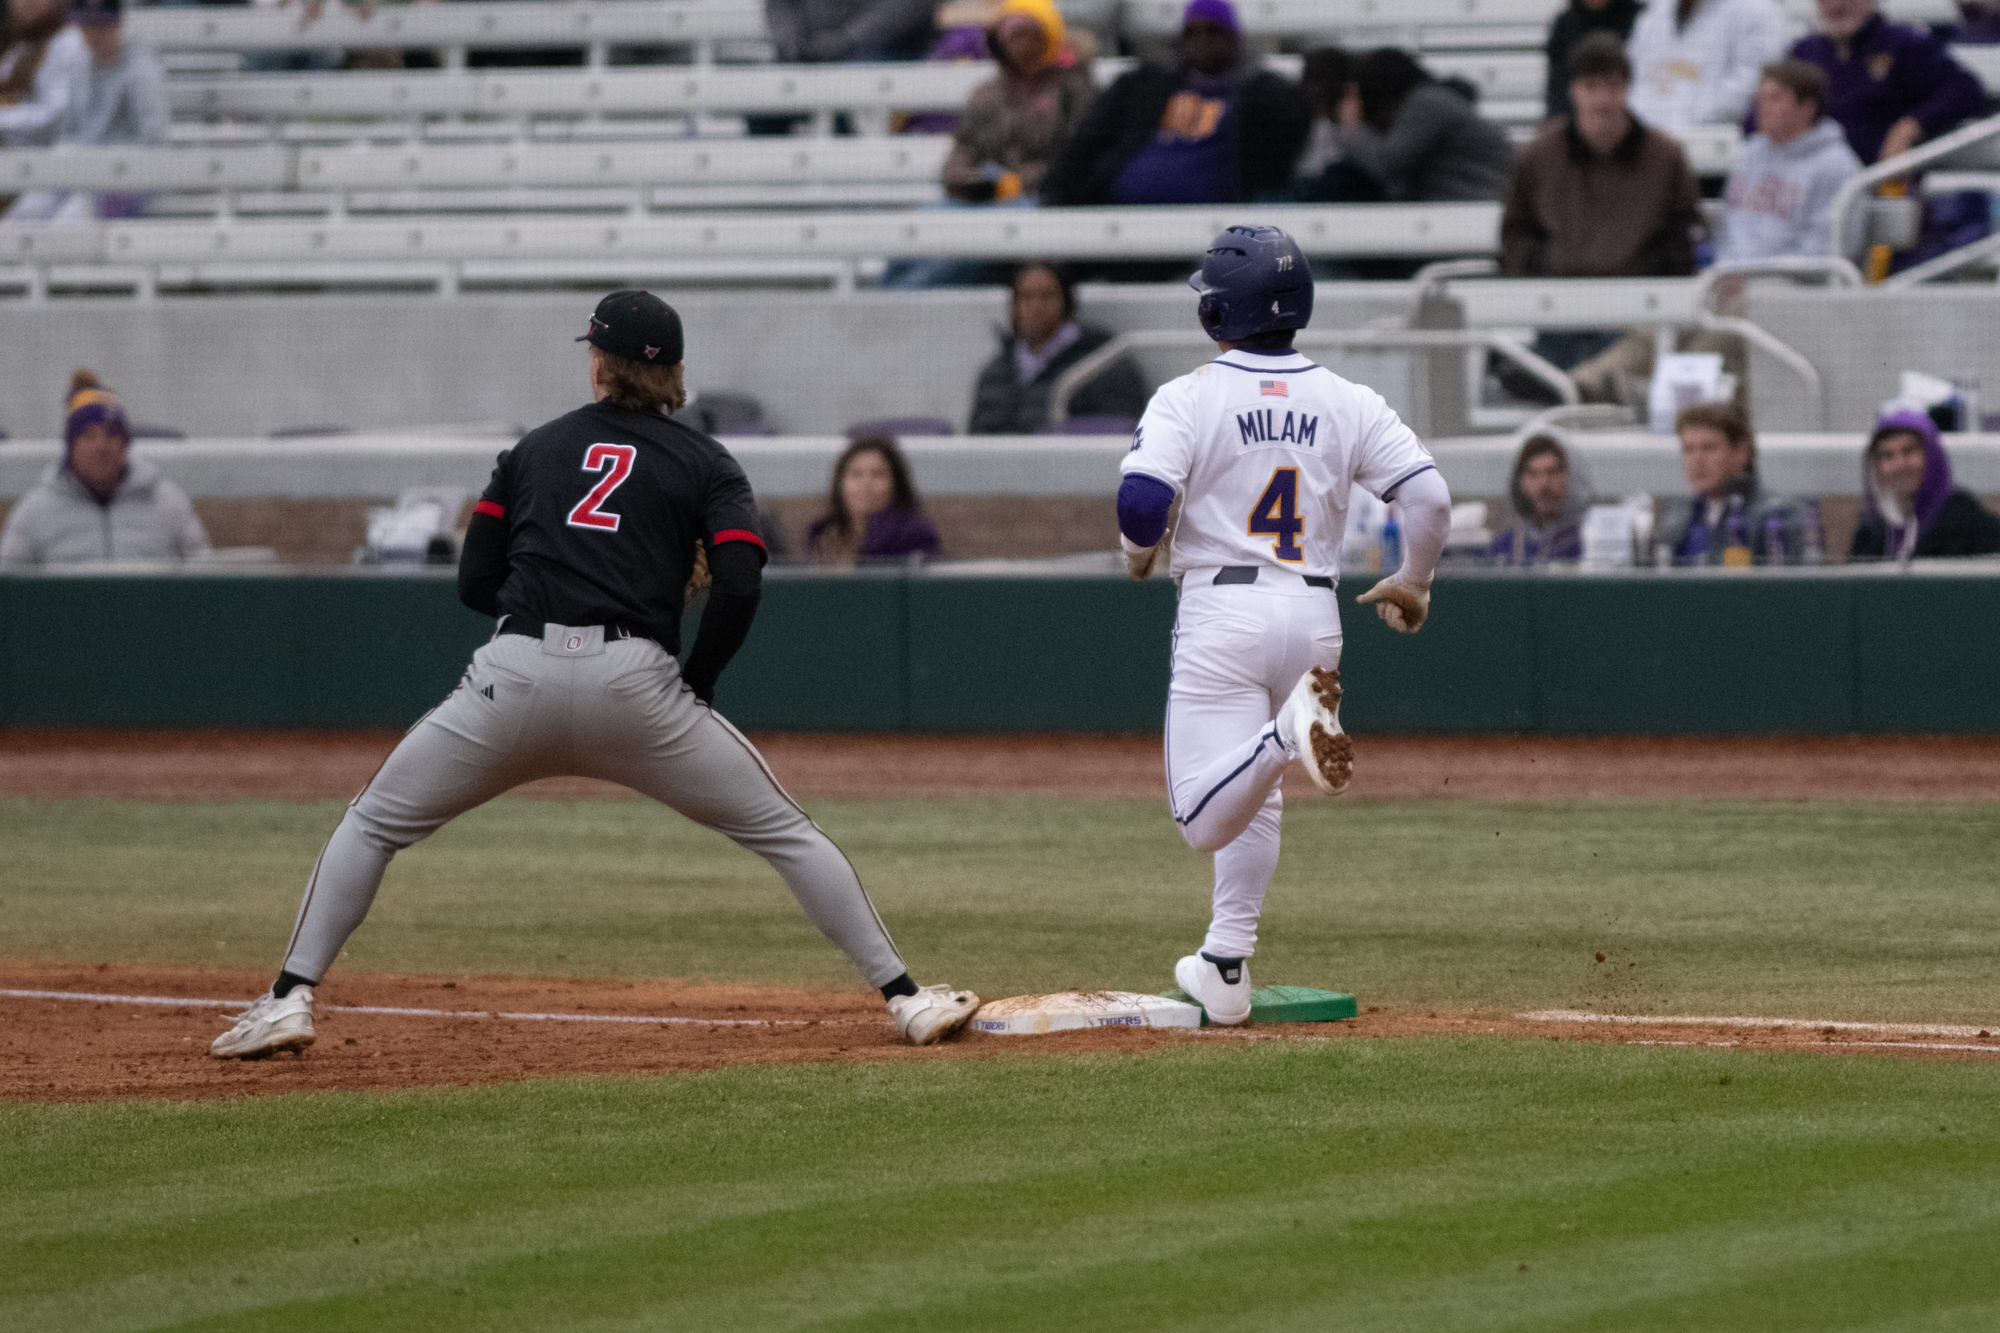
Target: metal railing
{"type": "Point", "coordinates": [1067, 384]}
{"type": "Point", "coordinates": [1974, 145]}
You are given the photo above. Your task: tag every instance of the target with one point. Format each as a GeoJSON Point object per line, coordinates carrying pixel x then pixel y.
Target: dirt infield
{"type": "Point", "coordinates": [71, 1050]}
{"type": "Point", "coordinates": [206, 765]}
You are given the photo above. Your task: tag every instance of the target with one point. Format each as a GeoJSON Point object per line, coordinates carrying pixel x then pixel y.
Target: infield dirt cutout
{"type": "Point", "coordinates": [74, 1050]}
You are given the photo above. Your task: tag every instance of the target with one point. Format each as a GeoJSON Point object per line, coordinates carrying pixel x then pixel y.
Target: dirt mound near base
{"type": "Point", "coordinates": [479, 1030]}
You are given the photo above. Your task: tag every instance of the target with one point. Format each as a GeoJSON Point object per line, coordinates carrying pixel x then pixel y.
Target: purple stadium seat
{"type": "Point", "coordinates": [1089, 426]}
{"type": "Point", "coordinates": [899, 426]}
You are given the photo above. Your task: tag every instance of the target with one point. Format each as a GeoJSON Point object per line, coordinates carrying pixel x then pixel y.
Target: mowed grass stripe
{"type": "Point", "coordinates": [1821, 911]}
{"type": "Point", "coordinates": [1387, 1185]}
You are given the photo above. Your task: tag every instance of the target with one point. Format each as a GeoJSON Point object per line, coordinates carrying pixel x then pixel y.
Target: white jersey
{"type": "Point", "coordinates": [1263, 451]}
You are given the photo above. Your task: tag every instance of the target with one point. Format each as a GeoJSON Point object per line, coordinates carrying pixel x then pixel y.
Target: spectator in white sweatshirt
{"type": "Point", "coordinates": [1782, 186]}
{"type": "Point", "coordinates": [1695, 62]}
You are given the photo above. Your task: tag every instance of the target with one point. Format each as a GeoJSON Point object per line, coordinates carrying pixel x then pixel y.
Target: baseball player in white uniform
{"type": "Point", "coordinates": [1262, 447]}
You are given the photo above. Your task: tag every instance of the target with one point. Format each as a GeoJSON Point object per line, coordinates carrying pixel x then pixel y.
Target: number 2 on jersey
{"type": "Point", "coordinates": [1276, 514]}
{"type": "Point", "coordinates": [615, 461]}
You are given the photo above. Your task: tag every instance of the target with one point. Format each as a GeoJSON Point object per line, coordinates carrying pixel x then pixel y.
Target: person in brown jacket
{"type": "Point", "coordinates": [1015, 123]}
{"type": "Point", "coordinates": [1600, 195]}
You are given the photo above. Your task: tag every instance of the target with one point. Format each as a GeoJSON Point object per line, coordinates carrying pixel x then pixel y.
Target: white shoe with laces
{"type": "Point", "coordinates": [933, 1013]}
{"type": "Point", "coordinates": [1309, 727]}
{"type": "Point", "coordinates": [1227, 1002]}
{"type": "Point", "coordinates": [269, 1025]}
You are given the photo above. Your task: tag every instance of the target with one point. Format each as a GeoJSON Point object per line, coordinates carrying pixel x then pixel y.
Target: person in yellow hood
{"type": "Point", "coordinates": [1016, 123]}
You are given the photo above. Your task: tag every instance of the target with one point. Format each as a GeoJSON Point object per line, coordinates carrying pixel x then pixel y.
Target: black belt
{"type": "Point", "coordinates": [1248, 574]}
{"type": "Point", "coordinates": [532, 629]}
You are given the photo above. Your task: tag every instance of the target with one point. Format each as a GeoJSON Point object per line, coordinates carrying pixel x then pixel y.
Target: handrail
{"type": "Point", "coordinates": [1858, 186]}
{"type": "Point", "coordinates": [1431, 278]}
{"type": "Point", "coordinates": [1949, 262]}
{"type": "Point", "coordinates": [1091, 366]}
{"type": "Point", "coordinates": [1841, 269]}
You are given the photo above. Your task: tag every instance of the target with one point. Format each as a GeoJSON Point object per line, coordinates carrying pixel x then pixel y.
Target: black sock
{"type": "Point", "coordinates": [900, 986]}
{"type": "Point", "coordinates": [286, 981]}
{"type": "Point", "coordinates": [1231, 968]}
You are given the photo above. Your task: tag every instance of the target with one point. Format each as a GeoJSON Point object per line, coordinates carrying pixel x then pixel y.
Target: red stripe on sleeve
{"type": "Point", "coordinates": [488, 507]}
{"type": "Point", "coordinates": [738, 535]}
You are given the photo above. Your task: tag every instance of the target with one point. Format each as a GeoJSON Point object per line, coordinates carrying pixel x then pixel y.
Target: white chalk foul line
{"type": "Point", "coordinates": [93, 997]}
{"type": "Point", "coordinates": [1821, 1025]}
{"type": "Point", "coordinates": [1859, 1045]}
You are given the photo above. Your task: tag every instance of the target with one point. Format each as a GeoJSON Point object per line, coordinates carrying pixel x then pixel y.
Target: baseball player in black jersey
{"type": "Point", "coordinates": [584, 546]}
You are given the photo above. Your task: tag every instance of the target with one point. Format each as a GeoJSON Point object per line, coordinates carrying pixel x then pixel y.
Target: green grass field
{"type": "Point", "coordinates": [1392, 1185]}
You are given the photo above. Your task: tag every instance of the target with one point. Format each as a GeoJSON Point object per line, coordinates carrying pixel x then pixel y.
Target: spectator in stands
{"type": "Point", "coordinates": [120, 97]}
{"type": "Point", "coordinates": [1914, 511]}
{"type": "Point", "coordinates": [1978, 23]}
{"type": "Point", "coordinates": [1599, 194]}
{"type": "Point", "coordinates": [1549, 495]}
{"type": "Point", "coordinates": [1012, 396]}
{"type": "Point", "coordinates": [1322, 83]}
{"type": "Point", "coordinates": [1696, 61]}
{"type": "Point", "coordinates": [1573, 24]}
{"type": "Point", "coordinates": [98, 502]}
{"type": "Point", "coordinates": [1889, 87]}
{"type": "Point", "coordinates": [1205, 132]}
{"type": "Point", "coordinates": [1781, 189]}
{"type": "Point", "coordinates": [872, 511]}
{"type": "Point", "coordinates": [1729, 519]}
{"type": "Point", "coordinates": [1410, 137]}
{"type": "Point", "coordinates": [815, 31]}
{"type": "Point", "coordinates": [1015, 123]}
{"type": "Point", "coordinates": [43, 58]}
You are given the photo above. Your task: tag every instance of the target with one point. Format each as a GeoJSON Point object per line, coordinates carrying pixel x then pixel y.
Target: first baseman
{"type": "Point", "coordinates": [1262, 447]}
{"type": "Point", "coordinates": [583, 545]}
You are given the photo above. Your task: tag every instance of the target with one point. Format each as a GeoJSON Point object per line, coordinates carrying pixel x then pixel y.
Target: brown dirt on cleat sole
{"type": "Point", "coordinates": [1334, 754]}
{"type": "Point", "coordinates": [1326, 685]}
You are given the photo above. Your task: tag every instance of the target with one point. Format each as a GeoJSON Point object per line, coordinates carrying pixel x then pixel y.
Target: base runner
{"type": "Point", "coordinates": [585, 545]}
{"type": "Point", "coordinates": [1262, 448]}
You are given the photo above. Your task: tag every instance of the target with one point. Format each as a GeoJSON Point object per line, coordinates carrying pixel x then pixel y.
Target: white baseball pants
{"type": "Point", "coordinates": [570, 704]}
{"type": "Point", "coordinates": [1238, 651]}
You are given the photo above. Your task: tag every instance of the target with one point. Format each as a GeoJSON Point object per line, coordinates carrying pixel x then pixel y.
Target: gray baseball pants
{"type": "Point", "coordinates": [572, 704]}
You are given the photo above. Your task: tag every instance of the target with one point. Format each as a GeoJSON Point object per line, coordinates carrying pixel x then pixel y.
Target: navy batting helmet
{"type": "Point", "coordinates": [1253, 280]}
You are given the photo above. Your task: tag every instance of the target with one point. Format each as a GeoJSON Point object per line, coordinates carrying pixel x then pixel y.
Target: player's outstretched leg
{"type": "Point", "coordinates": [446, 764]}
{"type": "Point", "coordinates": [1309, 724]}
{"type": "Point", "coordinates": [695, 762]}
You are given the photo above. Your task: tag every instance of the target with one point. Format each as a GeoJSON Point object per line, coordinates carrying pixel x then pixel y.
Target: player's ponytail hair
{"type": "Point", "coordinates": [640, 387]}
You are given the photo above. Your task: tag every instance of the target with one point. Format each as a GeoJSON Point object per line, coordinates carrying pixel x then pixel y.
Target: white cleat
{"type": "Point", "coordinates": [1309, 725]}
{"type": "Point", "coordinates": [269, 1025]}
{"type": "Point", "coordinates": [1227, 1002]}
{"type": "Point", "coordinates": [933, 1013]}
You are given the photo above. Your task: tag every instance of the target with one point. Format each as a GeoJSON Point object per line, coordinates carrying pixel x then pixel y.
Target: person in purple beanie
{"type": "Point", "coordinates": [1889, 87]}
{"type": "Point", "coordinates": [872, 510]}
{"type": "Point", "coordinates": [1914, 512]}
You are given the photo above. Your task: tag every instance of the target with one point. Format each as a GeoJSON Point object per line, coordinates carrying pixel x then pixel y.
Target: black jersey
{"type": "Point", "coordinates": [603, 508]}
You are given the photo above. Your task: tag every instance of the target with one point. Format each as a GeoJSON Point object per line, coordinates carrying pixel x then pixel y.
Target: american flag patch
{"type": "Point", "coordinates": [1271, 388]}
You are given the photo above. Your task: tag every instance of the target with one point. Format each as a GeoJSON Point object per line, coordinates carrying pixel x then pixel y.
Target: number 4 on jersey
{"type": "Point", "coordinates": [615, 461]}
{"type": "Point", "coordinates": [1277, 515]}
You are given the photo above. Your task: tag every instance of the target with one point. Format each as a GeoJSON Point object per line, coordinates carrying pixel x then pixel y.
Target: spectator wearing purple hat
{"type": "Point", "coordinates": [872, 510]}
{"type": "Point", "coordinates": [98, 502]}
{"type": "Point", "coordinates": [1204, 132]}
{"type": "Point", "coordinates": [1914, 512]}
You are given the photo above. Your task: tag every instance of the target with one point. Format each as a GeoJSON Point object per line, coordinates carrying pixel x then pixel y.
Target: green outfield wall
{"type": "Point", "coordinates": [1817, 651]}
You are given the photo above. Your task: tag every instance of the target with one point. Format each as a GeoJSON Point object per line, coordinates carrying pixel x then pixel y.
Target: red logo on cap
{"type": "Point", "coordinates": [652, 352]}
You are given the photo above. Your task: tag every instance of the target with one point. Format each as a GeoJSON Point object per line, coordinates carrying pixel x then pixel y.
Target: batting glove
{"type": "Point", "coordinates": [1404, 603]}
{"type": "Point", "coordinates": [1138, 559]}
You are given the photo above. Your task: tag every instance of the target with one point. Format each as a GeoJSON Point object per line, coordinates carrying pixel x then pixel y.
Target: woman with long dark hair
{"type": "Point", "coordinates": [1419, 139]}
{"type": "Point", "coordinates": [872, 510]}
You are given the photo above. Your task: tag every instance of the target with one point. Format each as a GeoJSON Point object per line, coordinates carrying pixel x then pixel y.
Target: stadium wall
{"type": "Point", "coordinates": [889, 650]}
{"type": "Point", "coordinates": [250, 365]}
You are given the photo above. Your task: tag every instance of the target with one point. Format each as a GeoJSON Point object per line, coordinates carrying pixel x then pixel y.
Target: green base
{"type": "Point", "coordinates": [1286, 1004]}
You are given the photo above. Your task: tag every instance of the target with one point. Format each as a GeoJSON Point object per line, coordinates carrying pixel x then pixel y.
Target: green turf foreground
{"type": "Point", "coordinates": [1808, 911]}
{"type": "Point", "coordinates": [1421, 1185]}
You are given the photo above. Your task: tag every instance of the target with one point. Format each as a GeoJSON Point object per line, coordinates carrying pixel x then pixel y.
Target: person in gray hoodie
{"type": "Point", "coordinates": [1414, 138]}
{"type": "Point", "coordinates": [1550, 492]}
{"type": "Point", "coordinates": [1780, 193]}
{"type": "Point", "coordinates": [98, 502]}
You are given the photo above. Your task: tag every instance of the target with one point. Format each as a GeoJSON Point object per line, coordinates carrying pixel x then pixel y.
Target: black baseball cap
{"type": "Point", "coordinates": [638, 326]}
